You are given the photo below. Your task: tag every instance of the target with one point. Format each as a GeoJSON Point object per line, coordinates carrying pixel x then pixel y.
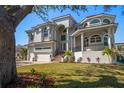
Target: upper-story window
{"type": "Point", "coordinates": [106, 21]}
{"type": "Point", "coordinates": [31, 36]}
{"type": "Point", "coordinates": [85, 24]}
{"type": "Point", "coordinates": [95, 22]}
{"type": "Point", "coordinates": [95, 38]}
{"type": "Point", "coordinates": [45, 32]}
{"type": "Point", "coordinates": [63, 35]}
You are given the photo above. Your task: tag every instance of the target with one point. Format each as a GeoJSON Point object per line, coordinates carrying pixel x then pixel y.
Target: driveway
{"type": "Point", "coordinates": [23, 63]}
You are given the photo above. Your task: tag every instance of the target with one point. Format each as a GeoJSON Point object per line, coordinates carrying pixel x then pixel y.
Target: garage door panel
{"type": "Point", "coordinates": [43, 57]}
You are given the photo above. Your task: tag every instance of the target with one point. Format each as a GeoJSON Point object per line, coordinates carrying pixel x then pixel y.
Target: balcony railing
{"type": "Point", "coordinates": [94, 47]}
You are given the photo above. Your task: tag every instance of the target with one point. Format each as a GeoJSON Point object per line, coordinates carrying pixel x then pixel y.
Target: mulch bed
{"type": "Point", "coordinates": [28, 80]}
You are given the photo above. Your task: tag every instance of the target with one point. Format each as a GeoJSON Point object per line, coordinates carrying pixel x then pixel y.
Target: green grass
{"type": "Point", "coordinates": [81, 75]}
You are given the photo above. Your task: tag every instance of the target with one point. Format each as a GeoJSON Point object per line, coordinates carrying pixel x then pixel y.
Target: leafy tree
{"type": "Point", "coordinates": [10, 17]}
{"type": "Point", "coordinates": [23, 53]}
{"type": "Point", "coordinates": [120, 48]}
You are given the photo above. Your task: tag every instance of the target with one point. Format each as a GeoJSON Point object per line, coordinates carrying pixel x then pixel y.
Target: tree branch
{"type": "Point", "coordinates": [24, 11]}
{"type": "Point", "coordinates": [13, 10]}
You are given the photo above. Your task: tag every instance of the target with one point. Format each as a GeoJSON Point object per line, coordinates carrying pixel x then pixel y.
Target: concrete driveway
{"type": "Point", "coordinates": [23, 63]}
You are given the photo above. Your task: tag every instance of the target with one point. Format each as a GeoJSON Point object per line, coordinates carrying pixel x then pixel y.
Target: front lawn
{"type": "Point", "coordinates": [81, 75]}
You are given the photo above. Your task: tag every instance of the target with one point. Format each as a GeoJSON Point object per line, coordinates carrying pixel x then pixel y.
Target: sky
{"type": "Point", "coordinates": [32, 20]}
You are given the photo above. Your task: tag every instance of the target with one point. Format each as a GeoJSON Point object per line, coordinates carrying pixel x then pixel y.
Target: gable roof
{"type": "Point", "coordinates": [64, 16]}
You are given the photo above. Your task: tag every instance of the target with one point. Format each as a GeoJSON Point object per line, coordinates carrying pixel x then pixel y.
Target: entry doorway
{"type": "Point", "coordinates": [63, 46]}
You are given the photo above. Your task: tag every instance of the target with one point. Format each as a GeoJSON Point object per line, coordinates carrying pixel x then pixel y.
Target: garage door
{"type": "Point", "coordinates": [44, 57]}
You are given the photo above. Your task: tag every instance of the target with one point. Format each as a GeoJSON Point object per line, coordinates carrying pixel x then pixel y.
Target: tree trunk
{"type": "Point", "coordinates": [7, 49]}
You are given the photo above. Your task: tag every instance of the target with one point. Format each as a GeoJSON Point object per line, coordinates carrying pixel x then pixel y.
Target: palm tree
{"type": "Point", "coordinates": [69, 55]}
{"type": "Point", "coordinates": [111, 53]}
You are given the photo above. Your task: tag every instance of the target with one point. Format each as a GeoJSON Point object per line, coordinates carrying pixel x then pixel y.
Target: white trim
{"type": "Point", "coordinates": [94, 27]}
{"type": "Point", "coordinates": [95, 19]}
{"type": "Point", "coordinates": [108, 19]}
{"type": "Point", "coordinates": [95, 40]}
{"type": "Point", "coordinates": [95, 16]}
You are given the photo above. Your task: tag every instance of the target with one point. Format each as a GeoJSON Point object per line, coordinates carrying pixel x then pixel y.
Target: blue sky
{"type": "Point", "coordinates": [32, 20]}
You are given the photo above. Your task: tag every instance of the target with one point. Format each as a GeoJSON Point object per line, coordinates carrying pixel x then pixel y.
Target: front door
{"type": "Point", "coordinates": [63, 46]}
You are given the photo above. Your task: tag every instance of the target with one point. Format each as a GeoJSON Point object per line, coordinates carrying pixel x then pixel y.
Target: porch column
{"type": "Point", "coordinates": [110, 38]}
{"type": "Point", "coordinates": [67, 39]}
{"type": "Point", "coordinates": [113, 38]}
{"type": "Point", "coordinates": [74, 44]}
{"type": "Point", "coordinates": [28, 54]}
{"type": "Point", "coordinates": [71, 43]}
{"type": "Point", "coordinates": [82, 41]}
{"type": "Point", "coordinates": [41, 34]}
{"type": "Point", "coordinates": [49, 33]}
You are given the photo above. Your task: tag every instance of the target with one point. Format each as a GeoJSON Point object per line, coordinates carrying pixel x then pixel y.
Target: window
{"type": "Point", "coordinates": [39, 48]}
{"type": "Point", "coordinates": [106, 21]}
{"type": "Point", "coordinates": [95, 38]}
{"type": "Point", "coordinates": [45, 32]}
{"type": "Point", "coordinates": [31, 37]}
{"type": "Point", "coordinates": [106, 40]}
{"type": "Point", "coordinates": [98, 39]}
{"type": "Point", "coordinates": [85, 24]}
{"type": "Point", "coordinates": [86, 42]}
{"type": "Point", "coordinates": [63, 37]}
{"type": "Point", "coordinates": [92, 40]}
{"type": "Point", "coordinates": [95, 21]}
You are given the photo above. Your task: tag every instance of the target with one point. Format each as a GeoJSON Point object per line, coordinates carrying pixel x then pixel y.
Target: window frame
{"type": "Point", "coordinates": [106, 19]}
{"type": "Point", "coordinates": [106, 36]}
{"type": "Point", "coordinates": [94, 39]}
{"type": "Point", "coordinates": [45, 34]}
{"type": "Point", "coordinates": [31, 37]}
{"type": "Point", "coordinates": [94, 24]}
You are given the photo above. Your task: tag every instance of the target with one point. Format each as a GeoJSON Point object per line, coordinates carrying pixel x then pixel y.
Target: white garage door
{"type": "Point", "coordinates": [43, 57]}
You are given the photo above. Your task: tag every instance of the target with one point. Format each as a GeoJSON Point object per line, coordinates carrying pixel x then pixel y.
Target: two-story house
{"type": "Point", "coordinates": [86, 39]}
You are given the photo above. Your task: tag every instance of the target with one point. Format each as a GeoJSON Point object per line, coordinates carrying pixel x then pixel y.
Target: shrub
{"type": "Point", "coordinates": [33, 71]}
{"type": "Point", "coordinates": [46, 81]}
{"type": "Point", "coordinates": [79, 60]}
{"type": "Point", "coordinates": [98, 59]}
{"type": "Point", "coordinates": [68, 56]}
{"type": "Point", "coordinates": [65, 59]}
{"type": "Point", "coordinates": [88, 59]}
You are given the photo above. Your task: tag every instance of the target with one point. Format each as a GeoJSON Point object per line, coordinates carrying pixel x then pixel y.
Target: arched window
{"type": "Point", "coordinates": [95, 38]}
{"type": "Point", "coordinates": [106, 40]}
{"type": "Point", "coordinates": [106, 21]}
{"type": "Point", "coordinates": [95, 21]}
{"type": "Point", "coordinates": [86, 42]}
